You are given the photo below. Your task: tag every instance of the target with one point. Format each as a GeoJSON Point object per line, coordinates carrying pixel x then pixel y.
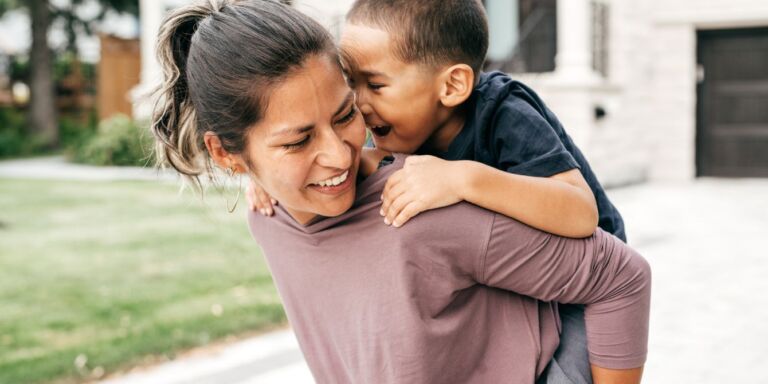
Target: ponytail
{"type": "Point", "coordinates": [174, 122]}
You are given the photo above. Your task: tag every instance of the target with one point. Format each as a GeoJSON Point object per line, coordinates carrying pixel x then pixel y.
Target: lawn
{"type": "Point", "coordinates": [98, 276]}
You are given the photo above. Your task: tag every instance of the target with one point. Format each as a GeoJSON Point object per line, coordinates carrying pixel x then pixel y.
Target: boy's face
{"type": "Point", "coordinates": [399, 101]}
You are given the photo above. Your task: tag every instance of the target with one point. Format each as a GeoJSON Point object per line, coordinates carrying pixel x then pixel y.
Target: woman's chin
{"type": "Point", "coordinates": [339, 206]}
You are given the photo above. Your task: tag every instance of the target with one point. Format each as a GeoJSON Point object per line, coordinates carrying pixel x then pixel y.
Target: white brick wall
{"type": "Point", "coordinates": [650, 94]}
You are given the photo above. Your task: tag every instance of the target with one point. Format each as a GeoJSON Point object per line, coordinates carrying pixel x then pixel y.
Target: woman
{"type": "Point", "coordinates": [256, 88]}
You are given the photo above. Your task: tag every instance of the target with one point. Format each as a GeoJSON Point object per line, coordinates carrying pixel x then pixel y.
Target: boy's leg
{"type": "Point", "coordinates": [571, 358]}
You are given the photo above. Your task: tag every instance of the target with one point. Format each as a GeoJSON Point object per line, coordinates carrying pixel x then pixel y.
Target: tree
{"type": "Point", "coordinates": [42, 120]}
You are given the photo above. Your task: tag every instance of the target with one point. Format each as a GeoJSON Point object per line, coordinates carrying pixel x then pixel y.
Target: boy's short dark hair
{"type": "Point", "coordinates": [430, 31]}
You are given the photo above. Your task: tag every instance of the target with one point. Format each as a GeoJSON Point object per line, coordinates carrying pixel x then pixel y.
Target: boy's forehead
{"type": "Point", "coordinates": [366, 48]}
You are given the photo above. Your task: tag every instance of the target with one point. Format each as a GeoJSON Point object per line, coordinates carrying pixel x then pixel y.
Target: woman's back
{"type": "Point", "coordinates": [373, 303]}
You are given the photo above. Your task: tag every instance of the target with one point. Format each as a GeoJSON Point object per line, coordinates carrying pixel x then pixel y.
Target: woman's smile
{"type": "Point", "coordinates": [334, 185]}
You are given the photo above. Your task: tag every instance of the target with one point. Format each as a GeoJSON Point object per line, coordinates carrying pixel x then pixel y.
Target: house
{"type": "Point", "coordinates": [649, 89]}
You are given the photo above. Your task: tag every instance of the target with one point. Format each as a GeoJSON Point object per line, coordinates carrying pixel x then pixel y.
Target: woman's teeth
{"type": "Point", "coordinates": [334, 181]}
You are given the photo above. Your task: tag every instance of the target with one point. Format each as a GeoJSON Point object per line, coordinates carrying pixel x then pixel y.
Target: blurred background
{"type": "Point", "coordinates": [107, 272]}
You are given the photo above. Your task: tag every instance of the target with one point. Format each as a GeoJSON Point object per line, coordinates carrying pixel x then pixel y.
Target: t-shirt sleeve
{"type": "Point", "coordinates": [526, 143]}
{"type": "Point", "coordinates": [612, 280]}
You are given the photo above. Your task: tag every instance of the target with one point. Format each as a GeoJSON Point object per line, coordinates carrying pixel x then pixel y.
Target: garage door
{"type": "Point", "coordinates": [732, 108]}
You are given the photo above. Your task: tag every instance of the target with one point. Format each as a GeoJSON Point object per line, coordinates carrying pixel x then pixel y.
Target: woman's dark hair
{"type": "Point", "coordinates": [220, 59]}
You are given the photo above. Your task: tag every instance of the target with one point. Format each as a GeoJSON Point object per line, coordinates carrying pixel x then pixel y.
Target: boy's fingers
{"type": "Point", "coordinates": [267, 204]}
{"type": "Point", "coordinates": [390, 196]}
{"type": "Point", "coordinates": [410, 210]}
{"type": "Point", "coordinates": [264, 202]}
{"type": "Point", "coordinates": [250, 195]}
{"type": "Point", "coordinates": [393, 180]}
{"type": "Point", "coordinates": [397, 206]}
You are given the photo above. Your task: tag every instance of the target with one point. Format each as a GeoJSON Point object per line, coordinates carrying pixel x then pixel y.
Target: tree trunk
{"type": "Point", "coordinates": [42, 112]}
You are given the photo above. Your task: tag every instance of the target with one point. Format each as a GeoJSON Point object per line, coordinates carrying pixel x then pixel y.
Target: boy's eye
{"type": "Point", "coordinates": [297, 144]}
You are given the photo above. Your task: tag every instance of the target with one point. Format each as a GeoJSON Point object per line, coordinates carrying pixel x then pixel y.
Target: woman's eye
{"type": "Point", "coordinates": [349, 116]}
{"type": "Point", "coordinates": [297, 144]}
{"type": "Point", "coordinates": [375, 87]}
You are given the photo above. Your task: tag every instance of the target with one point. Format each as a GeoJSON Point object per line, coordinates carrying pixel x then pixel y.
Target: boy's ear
{"type": "Point", "coordinates": [220, 156]}
{"type": "Point", "coordinates": [456, 84]}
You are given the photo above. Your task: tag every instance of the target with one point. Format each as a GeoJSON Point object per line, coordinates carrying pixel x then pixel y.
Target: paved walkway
{"type": "Point", "coordinates": [706, 241]}
{"type": "Point", "coordinates": [55, 167]}
{"type": "Point", "coordinates": [270, 359]}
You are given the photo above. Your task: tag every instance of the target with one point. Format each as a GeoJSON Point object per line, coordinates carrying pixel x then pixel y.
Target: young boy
{"type": "Point", "coordinates": [415, 66]}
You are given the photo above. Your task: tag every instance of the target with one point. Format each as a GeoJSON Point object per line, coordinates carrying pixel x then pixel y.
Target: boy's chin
{"type": "Point", "coordinates": [393, 147]}
{"type": "Point", "coordinates": [387, 143]}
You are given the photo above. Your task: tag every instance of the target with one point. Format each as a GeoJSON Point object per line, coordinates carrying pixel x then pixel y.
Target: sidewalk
{"type": "Point", "coordinates": [270, 359]}
{"type": "Point", "coordinates": [57, 168]}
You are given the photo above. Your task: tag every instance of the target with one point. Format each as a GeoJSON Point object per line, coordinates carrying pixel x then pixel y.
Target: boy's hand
{"type": "Point", "coordinates": [424, 183]}
{"type": "Point", "coordinates": [259, 200]}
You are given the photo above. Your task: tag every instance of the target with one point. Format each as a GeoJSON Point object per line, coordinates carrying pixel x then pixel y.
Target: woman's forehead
{"type": "Point", "coordinates": [313, 92]}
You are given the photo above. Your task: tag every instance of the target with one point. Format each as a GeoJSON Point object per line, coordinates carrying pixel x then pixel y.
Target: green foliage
{"type": "Point", "coordinates": [118, 141]}
{"type": "Point", "coordinates": [7, 5]}
{"type": "Point", "coordinates": [19, 69]}
{"type": "Point", "coordinates": [74, 133]}
{"type": "Point", "coordinates": [64, 65]}
{"type": "Point", "coordinates": [14, 139]}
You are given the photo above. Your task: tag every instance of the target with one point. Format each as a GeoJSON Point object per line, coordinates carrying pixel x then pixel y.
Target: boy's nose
{"type": "Point", "coordinates": [363, 103]}
{"type": "Point", "coordinates": [365, 109]}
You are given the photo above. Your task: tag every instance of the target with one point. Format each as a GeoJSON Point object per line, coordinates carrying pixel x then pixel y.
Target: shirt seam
{"type": "Point", "coordinates": [559, 160]}
{"type": "Point", "coordinates": [484, 250]}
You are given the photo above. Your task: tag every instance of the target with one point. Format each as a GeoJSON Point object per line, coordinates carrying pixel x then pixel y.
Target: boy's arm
{"type": "Point", "coordinates": [562, 204]}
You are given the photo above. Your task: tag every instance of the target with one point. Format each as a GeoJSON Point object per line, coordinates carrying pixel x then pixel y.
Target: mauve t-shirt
{"type": "Point", "coordinates": [457, 295]}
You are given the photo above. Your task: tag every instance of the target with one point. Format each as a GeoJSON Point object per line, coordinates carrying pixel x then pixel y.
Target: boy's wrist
{"type": "Point", "coordinates": [465, 178]}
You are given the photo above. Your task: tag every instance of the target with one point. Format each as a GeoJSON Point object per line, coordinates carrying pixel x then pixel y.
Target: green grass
{"type": "Point", "coordinates": [116, 272]}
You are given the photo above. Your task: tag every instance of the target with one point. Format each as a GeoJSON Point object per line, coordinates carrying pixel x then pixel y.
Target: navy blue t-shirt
{"type": "Point", "coordinates": [508, 127]}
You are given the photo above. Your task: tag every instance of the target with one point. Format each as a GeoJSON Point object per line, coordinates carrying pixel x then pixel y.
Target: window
{"type": "Point", "coordinates": [523, 35]}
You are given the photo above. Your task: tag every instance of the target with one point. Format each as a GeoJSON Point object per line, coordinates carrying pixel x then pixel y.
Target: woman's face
{"type": "Point", "coordinates": [305, 152]}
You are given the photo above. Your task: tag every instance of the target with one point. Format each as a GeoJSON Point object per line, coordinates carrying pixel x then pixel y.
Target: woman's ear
{"type": "Point", "coordinates": [457, 84]}
{"type": "Point", "coordinates": [220, 156]}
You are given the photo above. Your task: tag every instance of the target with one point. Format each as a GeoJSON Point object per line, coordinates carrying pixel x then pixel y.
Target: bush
{"type": "Point", "coordinates": [118, 141]}
{"type": "Point", "coordinates": [74, 133]}
{"type": "Point", "coordinates": [14, 139]}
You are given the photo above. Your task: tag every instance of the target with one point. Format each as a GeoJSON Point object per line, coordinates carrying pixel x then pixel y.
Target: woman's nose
{"type": "Point", "coordinates": [334, 153]}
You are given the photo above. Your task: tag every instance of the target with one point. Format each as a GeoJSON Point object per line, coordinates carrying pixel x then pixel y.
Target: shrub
{"type": "Point", "coordinates": [14, 139]}
{"type": "Point", "coordinates": [74, 133]}
{"type": "Point", "coordinates": [118, 141]}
